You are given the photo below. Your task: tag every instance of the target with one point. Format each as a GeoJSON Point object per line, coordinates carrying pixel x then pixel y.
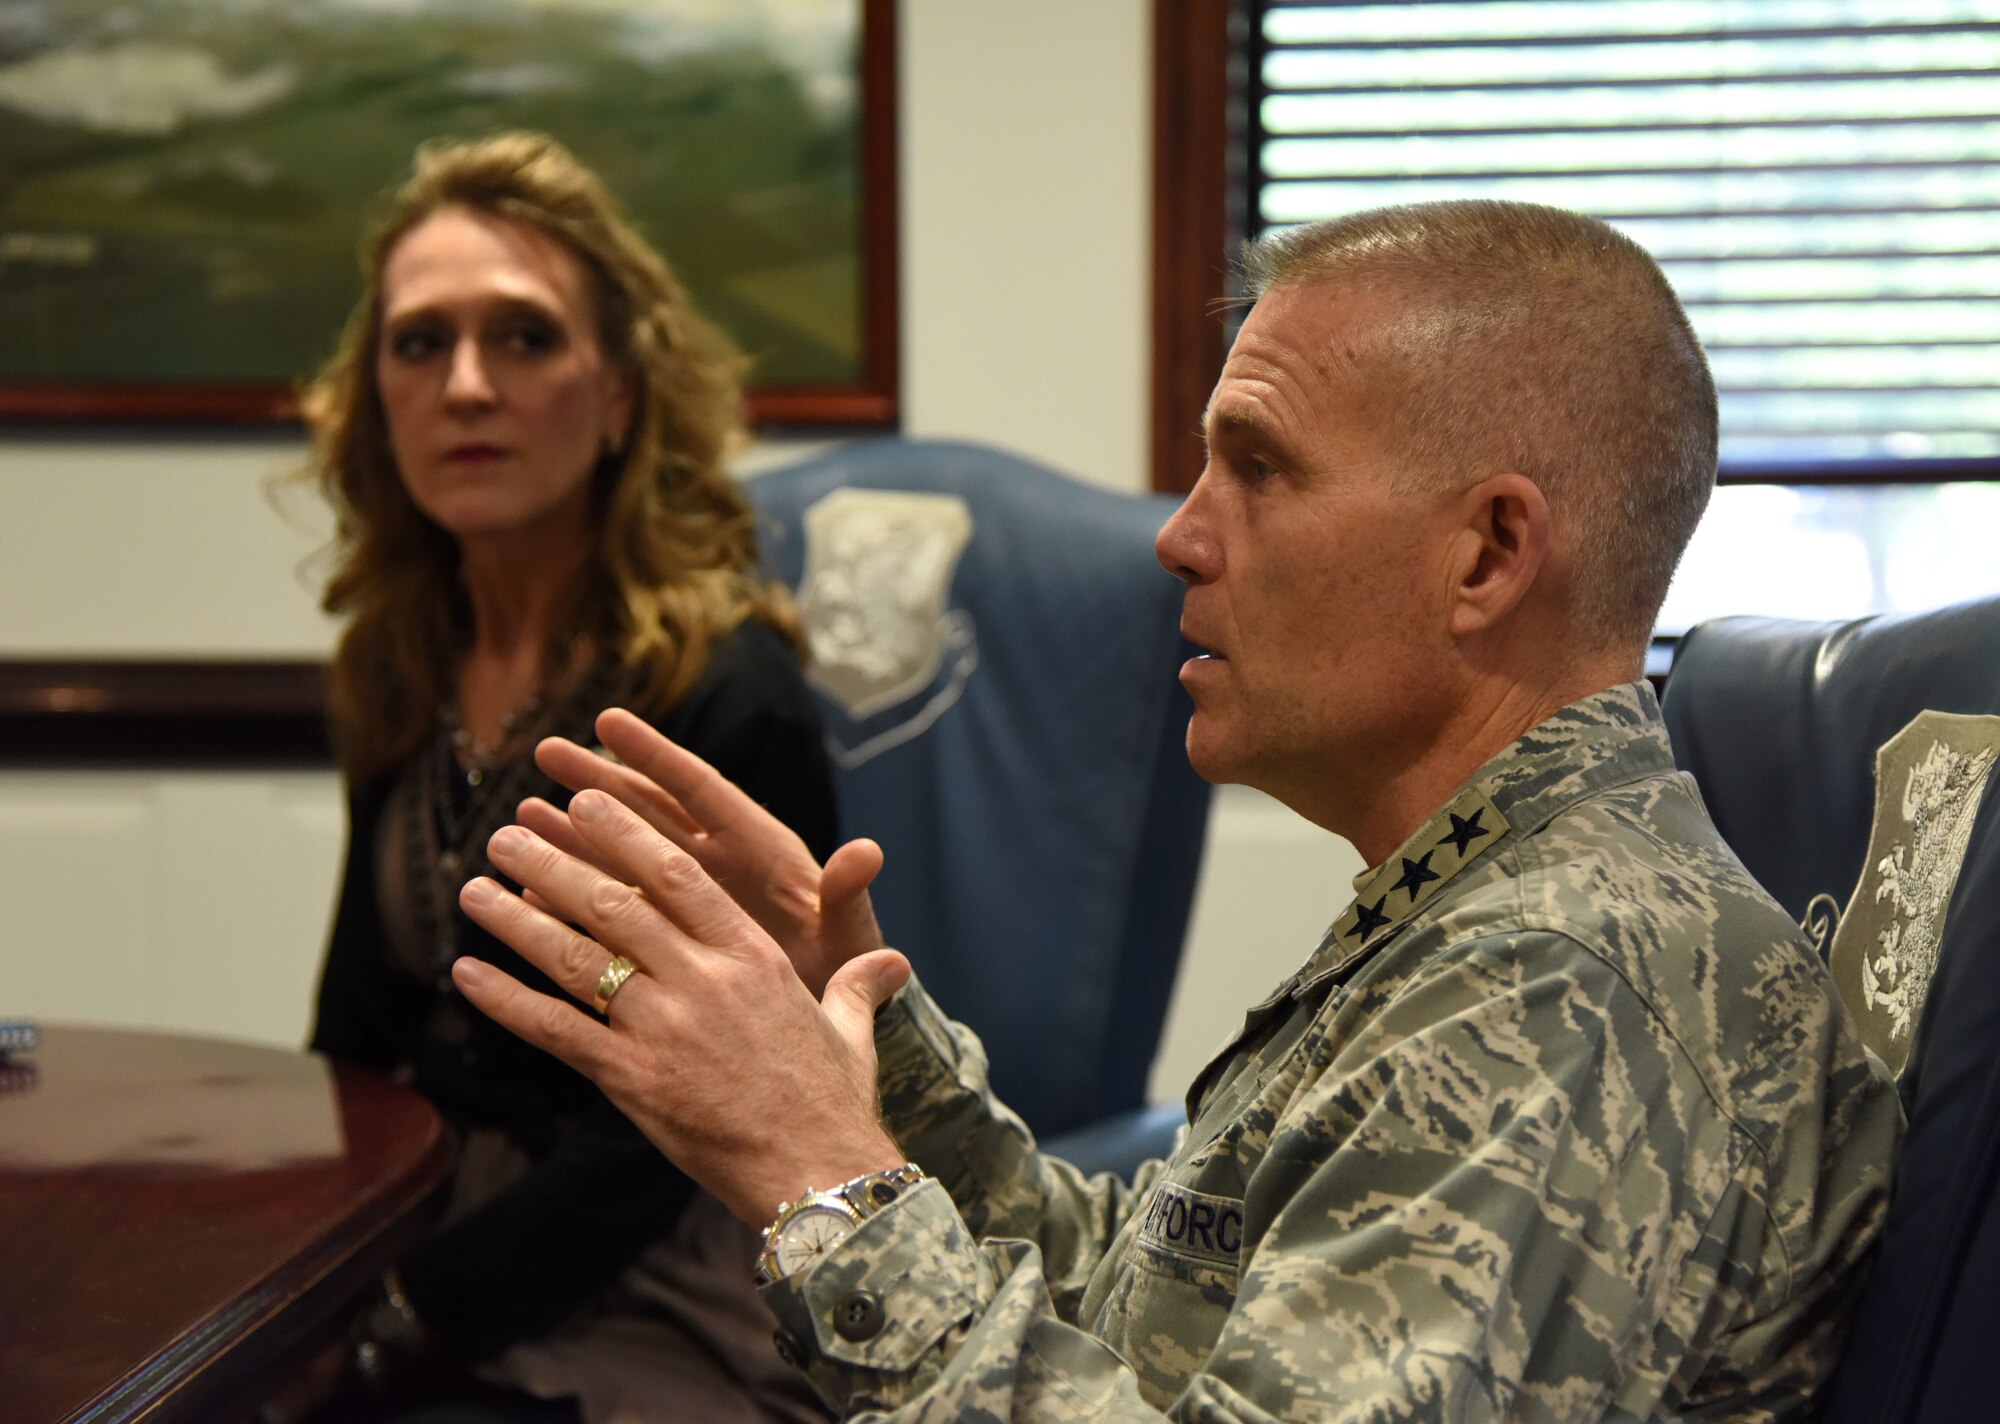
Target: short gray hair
{"type": "Point", "coordinates": [1543, 342]}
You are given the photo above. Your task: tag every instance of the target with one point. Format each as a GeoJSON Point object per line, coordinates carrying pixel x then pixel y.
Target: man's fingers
{"type": "Point", "coordinates": [847, 912]}
{"type": "Point", "coordinates": [704, 794]}
{"type": "Point", "coordinates": [579, 769]}
{"type": "Point", "coordinates": [665, 875]}
{"type": "Point", "coordinates": [574, 961]}
{"type": "Point", "coordinates": [857, 989]}
{"type": "Point", "coordinates": [552, 826]}
{"type": "Point", "coordinates": [581, 893]}
{"type": "Point", "coordinates": [849, 872]}
{"type": "Point", "coordinates": [558, 830]}
{"type": "Point", "coordinates": [549, 1024]}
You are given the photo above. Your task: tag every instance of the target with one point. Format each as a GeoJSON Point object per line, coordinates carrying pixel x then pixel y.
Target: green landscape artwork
{"type": "Point", "coordinates": [184, 183]}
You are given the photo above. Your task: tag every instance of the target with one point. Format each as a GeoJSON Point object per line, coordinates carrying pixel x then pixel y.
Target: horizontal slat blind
{"type": "Point", "coordinates": [1819, 178]}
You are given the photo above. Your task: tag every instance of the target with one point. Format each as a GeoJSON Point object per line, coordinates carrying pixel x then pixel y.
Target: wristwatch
{"type": "Point", "coordinates": [809, 1228]}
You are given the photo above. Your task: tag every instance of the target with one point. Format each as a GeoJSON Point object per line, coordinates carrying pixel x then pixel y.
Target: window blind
{"type": "Point", "coordinates": [1820, 180]}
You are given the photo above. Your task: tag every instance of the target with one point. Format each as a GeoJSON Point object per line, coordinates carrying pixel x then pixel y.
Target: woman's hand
{"type": "Point", "coordinates": [821, 917]}
{"type": "Point", "coordinates": [714, 1048]}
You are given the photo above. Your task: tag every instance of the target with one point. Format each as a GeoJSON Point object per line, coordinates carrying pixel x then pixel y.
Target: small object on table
{"type": "Point", "coordinates": [17, 1037]}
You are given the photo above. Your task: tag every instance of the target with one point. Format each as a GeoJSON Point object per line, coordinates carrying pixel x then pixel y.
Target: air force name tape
{"type": "Point", "coordinates": [1194, 1225]}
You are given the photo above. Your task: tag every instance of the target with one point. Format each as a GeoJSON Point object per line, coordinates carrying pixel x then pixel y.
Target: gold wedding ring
{"type": "Point", "coordinates": [612, 980]}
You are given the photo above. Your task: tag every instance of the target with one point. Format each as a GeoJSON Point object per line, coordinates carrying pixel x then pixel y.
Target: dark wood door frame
{"type": "Point", "coordinates": [1195, 45]}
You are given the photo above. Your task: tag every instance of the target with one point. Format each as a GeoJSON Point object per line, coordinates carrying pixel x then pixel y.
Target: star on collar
{"type": "Point", "coordinates": [1465, 829]}
{"type": "Point", "coordinates": [1451, 840]}
{"type": "Point", "coordinates": [1367, 919]}
{"type": "Point", "coordinates": [1416, 874]}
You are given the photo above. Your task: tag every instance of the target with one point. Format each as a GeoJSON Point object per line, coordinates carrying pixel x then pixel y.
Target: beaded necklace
{"type": "Point", "coordinates": [466, 792]}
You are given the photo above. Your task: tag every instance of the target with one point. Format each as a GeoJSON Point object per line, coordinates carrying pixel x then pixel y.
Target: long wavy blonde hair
{"type": "Point", "coordinates": [674, 564]}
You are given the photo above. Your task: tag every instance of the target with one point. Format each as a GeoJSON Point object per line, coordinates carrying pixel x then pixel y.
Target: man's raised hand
{"type": "Point", "coordinates": [822, 917]}
{"type": "Point", "coordinates": [714, 1047]}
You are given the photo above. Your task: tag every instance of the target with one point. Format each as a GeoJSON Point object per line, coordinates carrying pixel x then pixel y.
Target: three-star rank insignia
{"type": "Point", "coordinates": [1447, 843]}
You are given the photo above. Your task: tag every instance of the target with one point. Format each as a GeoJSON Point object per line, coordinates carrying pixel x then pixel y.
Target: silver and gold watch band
{"type": "Point", "coordinates": [872, 1191]}
{"type": "Point", "coordinates": [854, 1200]}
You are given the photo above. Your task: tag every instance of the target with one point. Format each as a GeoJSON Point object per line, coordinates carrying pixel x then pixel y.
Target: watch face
{"type": "Point", "coordinates": [809, 1235]}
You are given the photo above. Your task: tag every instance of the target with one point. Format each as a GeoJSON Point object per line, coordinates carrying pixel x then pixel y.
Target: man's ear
{"type": "Point", "coordinates": [1501, 548]}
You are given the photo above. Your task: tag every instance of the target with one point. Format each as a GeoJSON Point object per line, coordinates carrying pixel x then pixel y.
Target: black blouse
{"type": "Point", "coordinates": [597, 1193]}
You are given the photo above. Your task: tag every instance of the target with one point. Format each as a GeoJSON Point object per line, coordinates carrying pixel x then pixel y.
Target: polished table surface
{"type": "Point", "coordinates": [179, 1216]}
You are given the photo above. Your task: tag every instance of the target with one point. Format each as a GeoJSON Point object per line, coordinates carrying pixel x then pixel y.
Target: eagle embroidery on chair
{"type": "Point", "coordinates": [886, 647]}
{"type": "Point", "coordinates": [1929, 779]}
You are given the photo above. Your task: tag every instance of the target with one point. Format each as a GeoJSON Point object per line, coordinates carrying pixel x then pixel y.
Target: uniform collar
{"type": "Point", "coordinates": [1606, 740]}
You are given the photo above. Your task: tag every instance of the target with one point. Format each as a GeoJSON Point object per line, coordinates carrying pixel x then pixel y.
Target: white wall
{"type": "Point", "coordinates": [1025, 147]}
{"type": "Point", "coordinates": [191, 901]}
{"type": "Point", "coordinates": [198, 901]}
{"type": "Point", "coordinates": [156, 548]}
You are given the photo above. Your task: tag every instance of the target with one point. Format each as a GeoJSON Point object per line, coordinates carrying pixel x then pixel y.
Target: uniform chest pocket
{"type": "Point", "coordinates": [1196, 1230]}
{"type": "Point", "coordinates": [1175, 1288]}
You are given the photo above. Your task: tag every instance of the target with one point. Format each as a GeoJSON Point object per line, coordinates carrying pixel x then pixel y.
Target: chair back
{"type": "Point", "coordinates": [1780, 723]}
{"type": "Point", "coordinates": [995, 650]}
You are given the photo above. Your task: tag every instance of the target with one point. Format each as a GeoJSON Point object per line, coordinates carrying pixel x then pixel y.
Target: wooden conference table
{"type": "Point", "coordinates": [180, 1217]}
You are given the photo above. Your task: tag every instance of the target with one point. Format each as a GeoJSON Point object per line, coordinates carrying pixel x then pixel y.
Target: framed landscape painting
{"type": "Point", "coordinates": [184, 184]}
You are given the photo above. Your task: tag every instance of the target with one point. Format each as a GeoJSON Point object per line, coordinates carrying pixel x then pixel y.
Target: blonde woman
{"type": "Point", "coordinates": [522, 434]}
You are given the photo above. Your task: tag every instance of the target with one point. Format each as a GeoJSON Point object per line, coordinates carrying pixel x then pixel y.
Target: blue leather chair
{"type": "Point", "coordinates": [1779, 723]}
{"type": "Point", "coordinates": [995, 650]}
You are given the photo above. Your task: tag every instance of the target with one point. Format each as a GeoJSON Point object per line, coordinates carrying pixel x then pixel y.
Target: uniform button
{"type": "Point", "coordinates": [788, 1348]}
{"type": "Point", "coordinates": [859, 1317]}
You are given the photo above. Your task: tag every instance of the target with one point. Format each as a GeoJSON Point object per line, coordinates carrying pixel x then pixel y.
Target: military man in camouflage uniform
{"type": "Point", "coordinates": [1560, 1121]}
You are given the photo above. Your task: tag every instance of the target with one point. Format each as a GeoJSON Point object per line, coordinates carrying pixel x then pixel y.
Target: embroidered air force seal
{"type": "Point", "coordinates": [886, 648]}
{"type": "Point", "coordinates": [1929, 780]}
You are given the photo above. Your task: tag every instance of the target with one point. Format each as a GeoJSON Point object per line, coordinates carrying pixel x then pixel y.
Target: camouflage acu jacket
{"type": "Point", "coordinates": [1561, 1121]}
